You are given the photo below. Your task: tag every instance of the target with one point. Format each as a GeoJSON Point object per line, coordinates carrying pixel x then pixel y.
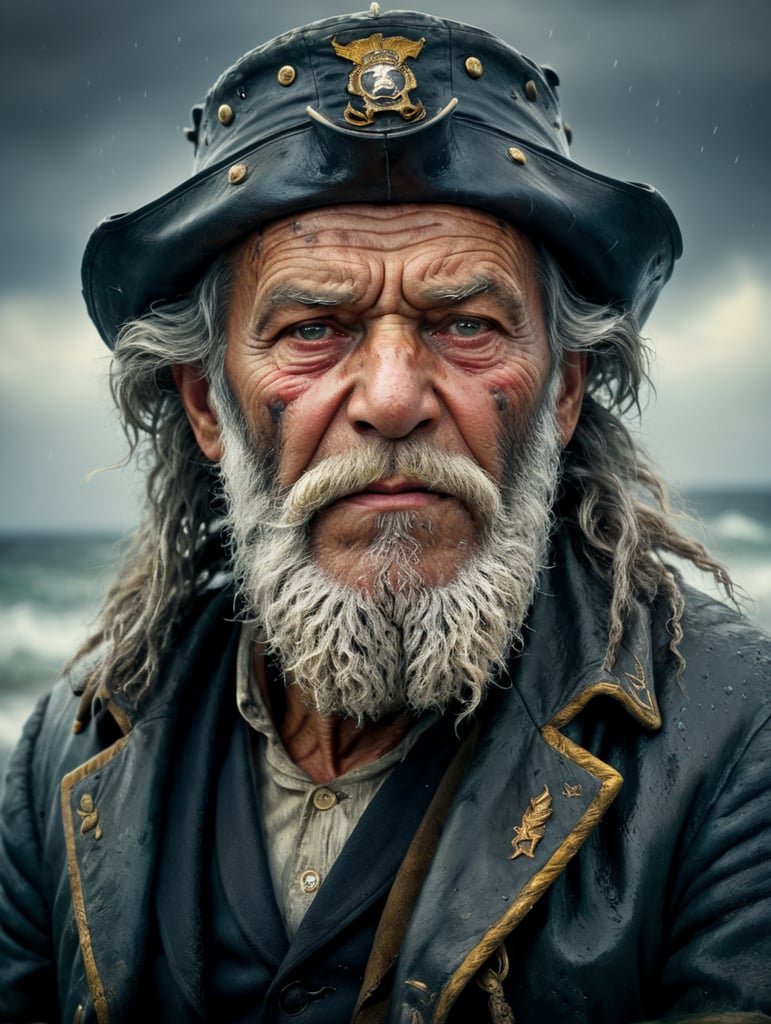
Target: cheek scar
{"type": "Point", "coordinates": [500, 399]}
{"type": "Point", "coordinates": [277, 410]}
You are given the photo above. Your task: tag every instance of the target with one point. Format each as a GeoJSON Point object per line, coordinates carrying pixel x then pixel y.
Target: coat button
{"type": "Point", "coordinates": [293, 998]}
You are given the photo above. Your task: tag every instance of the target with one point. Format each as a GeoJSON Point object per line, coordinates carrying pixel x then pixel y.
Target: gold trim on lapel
{"type": "Point", "coordinates": [78, 903]}
{"type": "Point", "coordinates": [638, 701]}
{"type": "Point", "coordinates": [121, 718]}
{"type": "Point", "coordinates": [610, 783]}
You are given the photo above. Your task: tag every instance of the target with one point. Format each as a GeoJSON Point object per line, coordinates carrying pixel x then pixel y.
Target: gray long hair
{"type": "Point", "coordinates": [610, 495]}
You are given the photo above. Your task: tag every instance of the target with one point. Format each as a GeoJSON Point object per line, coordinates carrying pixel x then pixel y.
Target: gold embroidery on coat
{"type": "Point", "coordinates": [89, 812]}
{"type": "Point", "coordinates": [572, 791]}
{"type": "Point", "coordinates": [640, 690]}
{"type": "Point", "coordinates": [533, 825]}
{"type": "Point", "coordinates": [381, 78]}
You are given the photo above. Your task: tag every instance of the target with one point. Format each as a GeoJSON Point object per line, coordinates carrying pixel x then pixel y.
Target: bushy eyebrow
{"type": "Point", "coordinates": [457, 294]}
{"type": "Point", "coordinates": [287, 297]}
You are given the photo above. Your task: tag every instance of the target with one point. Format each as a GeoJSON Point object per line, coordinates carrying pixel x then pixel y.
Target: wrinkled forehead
{"type": "Point", "coordinates": [375, 260]}
{"type": "Point", "coordinates": [386, 228]}
{"type": "Point", "coordinates": [425, 242]}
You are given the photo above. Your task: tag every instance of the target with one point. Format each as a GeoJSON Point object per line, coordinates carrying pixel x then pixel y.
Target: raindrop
{"type": "Point", "coordinates": [714, 130]}
{"type": "Point", "coordinates": [736, 161]}
{"type": "Point", "coordinates": [615, 63]}
{"type": "Point", "coordinates": [728, 689]}
{"type": "Point", "coordinates": [681, 726]}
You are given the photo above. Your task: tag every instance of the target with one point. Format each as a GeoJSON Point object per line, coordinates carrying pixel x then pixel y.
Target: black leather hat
{"type": "Point", "coordinates": [383, 108]}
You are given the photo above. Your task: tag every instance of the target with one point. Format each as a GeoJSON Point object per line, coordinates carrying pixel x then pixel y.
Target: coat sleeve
{"type": "Point", "coordinates": [27, 974]}
{"type": "Point", "coordinates": [719, 955]}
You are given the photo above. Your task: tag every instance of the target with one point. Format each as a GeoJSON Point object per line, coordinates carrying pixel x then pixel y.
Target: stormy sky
{"type": "Point", "coordinates": [95, 95]}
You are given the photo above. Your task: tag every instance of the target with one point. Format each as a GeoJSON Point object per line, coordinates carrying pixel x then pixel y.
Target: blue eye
{"type": "Point", "coordinates": [467, 328]}
{"type": "Point", "coordinates": [312, 332]}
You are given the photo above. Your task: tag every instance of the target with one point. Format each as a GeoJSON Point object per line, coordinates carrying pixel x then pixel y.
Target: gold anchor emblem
{"type": "Point", "coordinates": [381, 77]}
{"type": "Point", "coordinates": [89, 813]}
{"type": "Point", "coordinates": [533, 825]}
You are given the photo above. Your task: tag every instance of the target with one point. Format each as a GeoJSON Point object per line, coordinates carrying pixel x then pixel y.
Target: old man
{"type": "Point", "coordinates": [399, 709]}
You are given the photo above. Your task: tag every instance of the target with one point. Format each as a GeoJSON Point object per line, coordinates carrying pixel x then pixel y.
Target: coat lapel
{"type": "Point", "coordinates": [510, 833]}
{"type": "Point", "coordinates": [530, 799]}
{"type": "Point", "coordinates": [112, 813]}
{"type": "Point", "coordinates": [110, 816]}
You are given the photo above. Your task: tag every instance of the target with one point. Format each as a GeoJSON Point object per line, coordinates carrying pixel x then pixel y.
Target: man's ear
{"type": "Point", "coordinates": [193, 389]}
{"type": "Point", "coordinates": [571, 393]}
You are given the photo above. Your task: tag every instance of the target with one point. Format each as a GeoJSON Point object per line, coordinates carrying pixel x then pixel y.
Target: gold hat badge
{"type": "Point", "coordinates": [381, 77]}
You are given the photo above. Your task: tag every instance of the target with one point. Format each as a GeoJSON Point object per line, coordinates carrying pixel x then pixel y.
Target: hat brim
{"type": "Point", "coordinates": [617, 241]}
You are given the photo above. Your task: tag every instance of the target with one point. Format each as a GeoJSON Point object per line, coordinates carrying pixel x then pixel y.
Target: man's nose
{"type": "Point", "coordinates": [394, 393]}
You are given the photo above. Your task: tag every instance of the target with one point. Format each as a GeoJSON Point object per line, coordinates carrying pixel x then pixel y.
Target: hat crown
{"type": "Point", "coordinates": [378, 74]}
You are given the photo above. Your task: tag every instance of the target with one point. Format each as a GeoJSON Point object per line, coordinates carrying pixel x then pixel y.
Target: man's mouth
{"type": "Point", "coordinates": [393, 495]}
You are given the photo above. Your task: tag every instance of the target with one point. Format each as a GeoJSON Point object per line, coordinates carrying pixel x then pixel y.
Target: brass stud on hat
{"type": "Point", "coordinates": [517, 156]}
{"type": "Point", "coordinates": [474, 67]}
{"type": "Point", "coordinates": [225, 114]}
{"type": "Point", "coordinates": [530, 90]}
{"type": "Point", "coordinates": [286, 75]}
{"type": "Point", "coordinates": [237, 173]}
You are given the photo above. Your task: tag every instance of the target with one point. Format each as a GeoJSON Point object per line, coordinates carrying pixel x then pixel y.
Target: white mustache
{"type": "Point", "coordinates": [348, 472]}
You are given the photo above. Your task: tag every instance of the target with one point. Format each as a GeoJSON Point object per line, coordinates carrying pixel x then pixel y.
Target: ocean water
{"type": "Point", "coordinates": [50, 591]}
{"type": "Point", "coordinates": [51, 586]}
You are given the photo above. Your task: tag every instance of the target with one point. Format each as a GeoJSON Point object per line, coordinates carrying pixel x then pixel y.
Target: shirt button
{"type": "Point", "coordinates": [310, 881]}
{"type": "Point", "coordinates": [324, 798]}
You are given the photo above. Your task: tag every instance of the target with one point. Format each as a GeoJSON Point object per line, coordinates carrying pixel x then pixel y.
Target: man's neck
{"type": "Point", "coordinates": [326, 746]}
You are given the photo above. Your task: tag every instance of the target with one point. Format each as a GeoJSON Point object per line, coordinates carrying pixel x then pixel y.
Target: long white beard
{"type": "Point", "coordinates": [402, 645]}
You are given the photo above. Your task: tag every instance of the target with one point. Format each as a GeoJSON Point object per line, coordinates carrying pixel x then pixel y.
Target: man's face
{"type": "Point", "coordinates": [361, 323]}
{"type": "Point", "coordinates": [389, 450]}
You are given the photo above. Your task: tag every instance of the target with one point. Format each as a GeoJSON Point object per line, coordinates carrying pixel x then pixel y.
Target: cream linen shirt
{"type": "Point", "coordinates": [305, 825]}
